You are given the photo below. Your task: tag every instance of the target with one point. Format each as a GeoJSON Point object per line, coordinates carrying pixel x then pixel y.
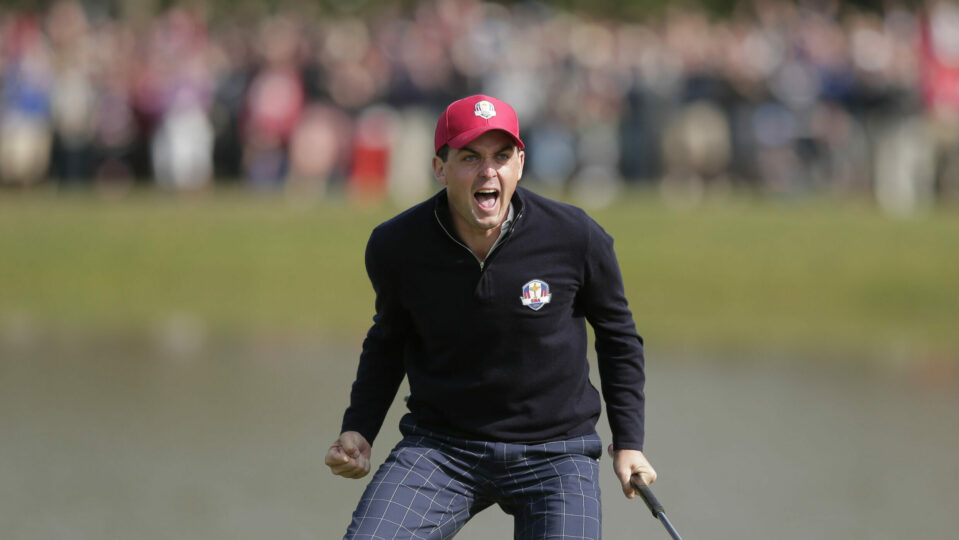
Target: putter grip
{"type": "Point", "coordinates": [647, 495]}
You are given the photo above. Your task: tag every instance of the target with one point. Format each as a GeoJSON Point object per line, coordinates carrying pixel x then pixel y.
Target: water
{"type": "Point", "coordinates": [102, 441]}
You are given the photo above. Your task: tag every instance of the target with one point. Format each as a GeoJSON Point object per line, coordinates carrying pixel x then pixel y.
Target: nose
{"type": "Point", "coordinates": [489, 170]}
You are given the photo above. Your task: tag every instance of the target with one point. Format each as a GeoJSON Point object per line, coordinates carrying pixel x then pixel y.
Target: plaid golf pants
{"type": "Point", "coordinates": [432, 484]}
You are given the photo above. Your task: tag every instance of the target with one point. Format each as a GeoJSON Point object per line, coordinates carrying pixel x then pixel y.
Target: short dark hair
{"type": "Point", "coordinates": [444, 152]}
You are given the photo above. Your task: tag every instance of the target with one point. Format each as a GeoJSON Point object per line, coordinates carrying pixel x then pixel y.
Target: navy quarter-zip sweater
{"type": "Point", "coordinates": [481, 364]}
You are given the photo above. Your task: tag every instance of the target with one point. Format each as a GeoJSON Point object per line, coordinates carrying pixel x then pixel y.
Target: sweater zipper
{"type": "Point", "coordinates": [482, 264]}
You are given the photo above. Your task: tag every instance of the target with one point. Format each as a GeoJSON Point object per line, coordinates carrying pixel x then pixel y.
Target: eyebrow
{"type": "Point", "coordinates": [508, 147]}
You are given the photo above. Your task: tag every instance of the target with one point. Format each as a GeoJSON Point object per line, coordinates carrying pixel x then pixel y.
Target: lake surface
{"type": "Point", "coordinates": [133, 440]}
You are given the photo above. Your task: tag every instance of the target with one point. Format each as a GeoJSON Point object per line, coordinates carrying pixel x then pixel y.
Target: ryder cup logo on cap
{"type": "Point", "coordinates": [536, 294]}
{"type": "Point", "coordinates": [468, 118]}
{"type": "Point", "coordinates": [485, 109]}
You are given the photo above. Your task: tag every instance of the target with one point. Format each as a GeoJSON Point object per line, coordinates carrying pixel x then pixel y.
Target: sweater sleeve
{"type": "Point", "coordinates": [619, 347]}
{"type": "Point", "coordinates": [380, 368]}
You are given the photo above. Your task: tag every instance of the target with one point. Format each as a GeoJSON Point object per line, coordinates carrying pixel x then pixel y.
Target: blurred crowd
{"type": "Point", "coordinates": [781, 97]}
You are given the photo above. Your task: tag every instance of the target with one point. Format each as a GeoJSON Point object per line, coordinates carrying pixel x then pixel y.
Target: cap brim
{"type": "Point", "coordinates": [469, 136]}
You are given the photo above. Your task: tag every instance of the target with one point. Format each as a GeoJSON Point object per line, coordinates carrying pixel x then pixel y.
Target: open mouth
{"type": "Point", "coordinates": [486, 198]}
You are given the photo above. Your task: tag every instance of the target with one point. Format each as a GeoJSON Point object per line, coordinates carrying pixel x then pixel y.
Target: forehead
{"type": "Point", "coordinates": [491, 141]}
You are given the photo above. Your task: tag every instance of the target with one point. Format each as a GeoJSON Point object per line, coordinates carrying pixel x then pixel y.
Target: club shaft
{"type": "Point", "coordinates": [669, 526]}
{"type": "Point", "coordinates": [654, 505]}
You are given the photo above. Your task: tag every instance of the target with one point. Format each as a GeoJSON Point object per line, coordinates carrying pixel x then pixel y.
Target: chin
{"type": "Point", "coordinates": [488, 223]}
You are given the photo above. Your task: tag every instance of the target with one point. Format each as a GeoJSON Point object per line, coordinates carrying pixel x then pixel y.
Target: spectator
{"type": "Point", "coordinates": [274, 103]}
{"type": "Point", "coordinates": [182, 145]}
{"type": "Point", "coordinates": [25, 123]}
{"type": "Point", "coordinates": [74, 95]}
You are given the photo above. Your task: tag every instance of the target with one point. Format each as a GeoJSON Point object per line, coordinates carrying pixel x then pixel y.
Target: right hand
{"type": "Point", "coordinates": [349, 456]}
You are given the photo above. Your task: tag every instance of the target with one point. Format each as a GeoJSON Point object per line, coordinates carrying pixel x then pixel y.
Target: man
{"type": "Point", "coordinates": [482, 293]}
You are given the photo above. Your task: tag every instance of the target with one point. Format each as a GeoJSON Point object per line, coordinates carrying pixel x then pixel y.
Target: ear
{"type": "Point", "coordinates": [521, 155]}
{"type": "Point", "coordinates": [439, 170]}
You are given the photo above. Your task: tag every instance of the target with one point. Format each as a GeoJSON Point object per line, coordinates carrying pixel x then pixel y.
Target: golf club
{"type": "Point", "coordinates": [653, 504]}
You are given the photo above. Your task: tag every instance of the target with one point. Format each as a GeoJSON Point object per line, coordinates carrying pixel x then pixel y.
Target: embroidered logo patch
{"type": "Point", "coordinates": [484, 109]}
{"type": "Point", "coordinates": [536, 294]}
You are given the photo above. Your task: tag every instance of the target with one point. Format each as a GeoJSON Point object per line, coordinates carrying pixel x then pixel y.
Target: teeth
{"type": "Point", "coordinates": [487, 191]}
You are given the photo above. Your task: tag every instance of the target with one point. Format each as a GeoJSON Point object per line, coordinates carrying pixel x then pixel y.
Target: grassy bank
{"type": "Point", "coordinates": [734, 276]}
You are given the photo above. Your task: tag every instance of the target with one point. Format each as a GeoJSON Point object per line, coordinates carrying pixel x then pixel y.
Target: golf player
{"type": "Point", "coordinates": [482, 297]}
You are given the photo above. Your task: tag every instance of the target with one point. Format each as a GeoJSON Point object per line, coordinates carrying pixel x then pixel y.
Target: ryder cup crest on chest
{"type": "Point", "coordinates": [536, 294]}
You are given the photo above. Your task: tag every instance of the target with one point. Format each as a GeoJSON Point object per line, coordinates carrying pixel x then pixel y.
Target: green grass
{"type": "Point", "coordinates": [736, 276]}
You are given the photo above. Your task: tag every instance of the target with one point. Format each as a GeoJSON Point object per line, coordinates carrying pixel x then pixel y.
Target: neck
{"type": "Point", "coordinates": [480, 242]}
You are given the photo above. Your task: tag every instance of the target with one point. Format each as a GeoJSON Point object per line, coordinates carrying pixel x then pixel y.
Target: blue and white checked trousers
{"type": "Point", "coordinates": [432, 484]}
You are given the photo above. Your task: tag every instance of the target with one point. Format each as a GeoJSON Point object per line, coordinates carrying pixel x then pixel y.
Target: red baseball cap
{"type": "Point", "coordinates": [468, 118]}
